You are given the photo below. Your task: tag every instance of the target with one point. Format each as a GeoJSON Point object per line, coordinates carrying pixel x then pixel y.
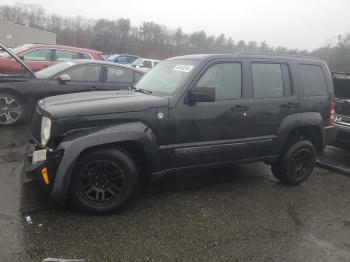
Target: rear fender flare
{"type": "Point", "coordinates": [291, 122]}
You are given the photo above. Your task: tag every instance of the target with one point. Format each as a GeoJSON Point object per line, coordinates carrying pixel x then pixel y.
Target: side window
{"type": "Point", "coordinates": [63, 55]}
{"type": "Point", "coordinates": [38, 55]}
{"type": "Point", "coordinates": [122, 59]}
{"type": "Point", "coordinates": [313, 80]}
{"type": "Point", "coordinates": [88, 73]}
{"type": "Point", "coordinates": [226, 78]}
{"type": "Point", "coordinates": [138, 76]}
{"type": "Point", "coordinates": [118, 74]}
{"type": "Point", "coordinates": [84, 56]}
{"type": "Point", "coordinates": [147, 64]}
{"type": "Point", "coordinates": [131, 59]}
{"type": "Point", "coordinates": [268, 80]}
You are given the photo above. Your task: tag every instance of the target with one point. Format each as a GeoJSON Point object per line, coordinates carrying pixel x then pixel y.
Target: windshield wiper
{"type": "Point", "coordinates": [144, 91]}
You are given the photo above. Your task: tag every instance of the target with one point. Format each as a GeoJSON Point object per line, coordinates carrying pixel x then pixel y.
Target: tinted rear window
{"type": "Point", "coordinates": [313, 79]}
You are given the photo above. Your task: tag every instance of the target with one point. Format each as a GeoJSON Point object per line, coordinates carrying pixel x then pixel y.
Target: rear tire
{"type": "Point", "coordinates": [296, 164]}
{"type": "Point", "coordinates": [103, 181]}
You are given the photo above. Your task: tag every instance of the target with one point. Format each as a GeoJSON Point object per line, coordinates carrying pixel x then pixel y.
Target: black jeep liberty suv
{"type": "Point", "coordinates": [188, 112]}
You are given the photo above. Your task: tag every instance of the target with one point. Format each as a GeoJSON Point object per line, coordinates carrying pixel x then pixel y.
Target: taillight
{"type": "Point", "coordinates": [331, 112]}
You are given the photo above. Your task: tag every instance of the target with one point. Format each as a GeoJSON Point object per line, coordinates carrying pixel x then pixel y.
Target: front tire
{"type": "Point", "coordinates": [296, 164]}
{"type": "Point", "coordinates": [11, 109]}
{"type": "Point", "coordinates": [103, 181]}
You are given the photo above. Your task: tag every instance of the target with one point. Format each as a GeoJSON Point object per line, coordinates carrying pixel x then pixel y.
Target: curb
{"type": "Point", "coordinates": [333, 168]}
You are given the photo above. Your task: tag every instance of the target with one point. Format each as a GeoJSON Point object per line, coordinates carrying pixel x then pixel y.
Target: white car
{"type": "Point", "coordinates": [144, 64]}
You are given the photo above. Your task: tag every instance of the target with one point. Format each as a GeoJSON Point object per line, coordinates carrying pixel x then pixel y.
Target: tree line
{"type": "Point", "coordinates": [154, 40]}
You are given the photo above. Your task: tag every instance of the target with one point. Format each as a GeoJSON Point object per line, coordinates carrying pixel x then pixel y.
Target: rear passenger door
{"type": "Point", "coordinates": [272, 98]}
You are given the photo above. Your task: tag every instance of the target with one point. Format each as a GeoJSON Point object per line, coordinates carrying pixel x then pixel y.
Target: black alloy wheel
{"type": "Point", "coordinates": [301, 163]}
{"type": "Point", "coordinates": [296, 164]}
{"type": "Point", "coordinates": [103, 181]}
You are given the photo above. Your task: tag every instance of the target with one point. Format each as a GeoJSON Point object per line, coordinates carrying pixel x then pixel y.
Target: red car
{"type": "Point", "coordinates": [39, 56]}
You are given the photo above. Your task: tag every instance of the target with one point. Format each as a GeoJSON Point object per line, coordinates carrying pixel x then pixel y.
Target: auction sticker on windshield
{"type": "Point", "coordinates": [183, 68]}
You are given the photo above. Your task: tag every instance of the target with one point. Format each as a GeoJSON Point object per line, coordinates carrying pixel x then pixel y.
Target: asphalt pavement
{"type": "Point", "coordinates": [230, 214]}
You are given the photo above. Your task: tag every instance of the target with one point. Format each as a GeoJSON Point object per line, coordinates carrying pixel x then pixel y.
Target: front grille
{"type": "Point", "coordinates": [36, 123]}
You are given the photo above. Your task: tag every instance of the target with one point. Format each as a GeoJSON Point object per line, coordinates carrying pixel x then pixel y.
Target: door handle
{"type": "Point", "coordinates": [291, 104]}
{"type": "Point", "coordinates": [240, 108]}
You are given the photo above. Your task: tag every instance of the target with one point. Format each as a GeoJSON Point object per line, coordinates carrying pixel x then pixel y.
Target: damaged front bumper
{"type": "Point", "coordinates": [39, 167]}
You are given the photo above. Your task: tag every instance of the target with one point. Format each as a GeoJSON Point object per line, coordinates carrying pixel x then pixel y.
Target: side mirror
{"type": "Point", "coordinates": [21, 57]}
{"type": "Point", "coordinates": [62, 79]}
{"type": "Point", "coordinates": [201, 94]}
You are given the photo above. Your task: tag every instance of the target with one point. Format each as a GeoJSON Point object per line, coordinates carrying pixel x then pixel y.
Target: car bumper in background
{"type": "Point", "coordinates": [343, 136]}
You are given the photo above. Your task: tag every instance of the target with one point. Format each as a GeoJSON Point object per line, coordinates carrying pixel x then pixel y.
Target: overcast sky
{"type": "Point", "coordinates": [302, 24]}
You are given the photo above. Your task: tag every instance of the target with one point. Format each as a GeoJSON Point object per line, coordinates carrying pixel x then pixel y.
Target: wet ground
{"type": "Point", "coordinates": [231, 214]}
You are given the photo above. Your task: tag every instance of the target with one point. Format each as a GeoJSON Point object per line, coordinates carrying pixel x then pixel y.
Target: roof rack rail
{"type": "Point", "coordinates": [340, 75]}
{"type": "Point", "coordinates": [275, 54]}
{"type": "Point", "coordinates": [38, 43]}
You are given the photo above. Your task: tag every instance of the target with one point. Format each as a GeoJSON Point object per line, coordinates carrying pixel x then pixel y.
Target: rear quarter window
{"type": "Point", "coordinates": [85, 56]}
{"type": "Point", "coordinates": [313, 80]}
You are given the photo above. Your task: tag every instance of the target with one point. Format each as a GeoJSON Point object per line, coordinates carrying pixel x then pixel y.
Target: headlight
{"type": "Point", "coordinates": [45, 131]}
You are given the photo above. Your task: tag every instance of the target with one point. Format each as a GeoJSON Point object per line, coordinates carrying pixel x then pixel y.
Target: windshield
{"type": "Point", "coordinates": [167, 76]}
{"type": "Point", "coordinates": [54, 69]}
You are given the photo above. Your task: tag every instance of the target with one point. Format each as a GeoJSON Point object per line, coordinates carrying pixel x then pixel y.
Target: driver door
{"type": "Point", "coordinates": [212, 132]}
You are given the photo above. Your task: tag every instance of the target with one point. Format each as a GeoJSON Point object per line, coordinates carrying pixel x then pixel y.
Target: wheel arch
{"type": "Point", "coordinates": [128, 137]}
{"type": "Point", "coordinates": [11, 91]}
{"type": "Point", "coordinates": [132, 148]}
{"type": "Point", "coordinates": [309, 126]}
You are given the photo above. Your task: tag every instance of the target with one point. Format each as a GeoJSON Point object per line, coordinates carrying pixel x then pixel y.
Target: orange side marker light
{"type": "Point", "coordinates": [45, 175]}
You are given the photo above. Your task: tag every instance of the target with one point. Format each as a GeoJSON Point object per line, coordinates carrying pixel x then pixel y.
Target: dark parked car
{"type": "Point", "coordinates": [39, 56]}
{"type": "Point", "coordinates": [19, 94]}
{"type": "Point", "coordinates": [188, 112]}
{"type": "Point", "coordinates": [342, 118]}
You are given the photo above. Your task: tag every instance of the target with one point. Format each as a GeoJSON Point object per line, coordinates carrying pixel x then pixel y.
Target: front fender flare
{"type": "Point", "coordinates": [76, 144]}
